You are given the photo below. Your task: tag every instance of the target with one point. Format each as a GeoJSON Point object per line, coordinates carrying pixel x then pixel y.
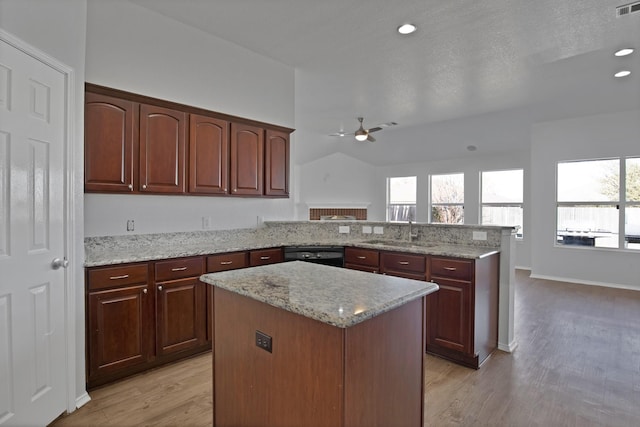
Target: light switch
{"type": "Point", "coordinates": [479, 235]}
{"type": "Point", "coordinates": [378, 230]}
{"type": "Point", "coordinates": [366, 229]}
{"type": "Point", "coordinates": [344, 229]}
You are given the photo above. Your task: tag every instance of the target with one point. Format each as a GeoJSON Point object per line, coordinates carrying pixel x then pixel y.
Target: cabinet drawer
{"type": "Point", "coordinates": [109, 277]}
{"type": "Point", "coordinates": [223, 262]}
{"type": "Point", "coordinates": [179, 268]}
{"type": "Point", "coordinates": [453, 268]}
{"type": "Point", "coordinates": [266, 256]}
{"type": "Point", "coordinates": [403, 262]}
{"type": "Point", "coordinates": [360, 256]}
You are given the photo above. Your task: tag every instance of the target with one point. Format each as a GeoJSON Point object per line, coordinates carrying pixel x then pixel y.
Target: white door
{"type": "Point", "coordinates": [33, 389]}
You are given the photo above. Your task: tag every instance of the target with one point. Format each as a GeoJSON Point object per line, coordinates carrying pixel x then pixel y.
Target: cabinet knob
{"type": "Point", "coordinates": [225, 190]}
{"type": "Point", "coordinates": [235, 190]}
{"type": "Point", "coordinates": [130, 187]}
{"type": "Point", "coordinates": [160, 288]}
{"type": "Point", "coordinates": [144, 186]}
{"type": "Point", "coordinates": [145, 290]}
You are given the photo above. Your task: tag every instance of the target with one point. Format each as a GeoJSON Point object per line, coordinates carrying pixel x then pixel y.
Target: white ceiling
{"type": "Point", "coordinates": [475, 72]}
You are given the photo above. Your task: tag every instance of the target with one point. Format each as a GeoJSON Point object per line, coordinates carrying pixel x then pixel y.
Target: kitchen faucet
{"type": "Point", "coordinates": [411, 234]}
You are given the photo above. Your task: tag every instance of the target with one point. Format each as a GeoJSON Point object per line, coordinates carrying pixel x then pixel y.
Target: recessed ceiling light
{"type": "Point", "coordinates": [623, 73]}
{"type": "Point", "coordinates": [624, 52]}
{"type": "Point", "coordinates": [472, 147]}
{"type": "Point", "coordinates": [406, 28]}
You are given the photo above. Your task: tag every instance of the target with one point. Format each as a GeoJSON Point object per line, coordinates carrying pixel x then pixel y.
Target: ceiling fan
{"type": "Point", "coordinates": [363, 134]}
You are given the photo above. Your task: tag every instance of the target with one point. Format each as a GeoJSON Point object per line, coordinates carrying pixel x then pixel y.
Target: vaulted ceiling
{"type": "Point", "coordinates": [474, 73]}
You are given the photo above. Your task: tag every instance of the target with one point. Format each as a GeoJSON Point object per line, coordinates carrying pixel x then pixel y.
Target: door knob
{"type": "Point", "coordinates": [58, 263]}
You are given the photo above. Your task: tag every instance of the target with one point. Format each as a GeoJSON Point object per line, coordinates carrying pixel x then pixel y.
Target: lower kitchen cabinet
{"type": "Point", "coordinates": [265, 256]}
{"type": "Point", "coordinates": [181, 307]}
{"type": "Point", "coordinates": [143, 315]}
{"type": "Point", "coordinates": [362, 259]}
{"type": "Point", "coordinates": [409, 266]}
{"type": "Point", "coordinates": [462, 317]}
{"type": "Point", "coordinates": [120, 322]}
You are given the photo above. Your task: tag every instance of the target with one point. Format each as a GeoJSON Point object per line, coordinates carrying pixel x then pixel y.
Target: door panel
{"type": "Point", "coordinates": [32, 181]}
{"type": "Point", "coordinates": [247, 159]}
{"type": "Point", "coordinates": [209, 155]}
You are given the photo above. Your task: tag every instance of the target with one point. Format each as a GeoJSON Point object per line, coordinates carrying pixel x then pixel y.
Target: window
{"type": "Point", "coordinates": [594, 203]}
{"type": "Point", "coordinates": [502, 198]}
{"type": "Point", "coordinates": [447, 198]}
{"type": "Point", "coordinates": [401, 198]}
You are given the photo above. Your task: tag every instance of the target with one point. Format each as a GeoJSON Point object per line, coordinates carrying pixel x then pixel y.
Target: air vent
{"type": "Point", "coordinates": [627, 9]}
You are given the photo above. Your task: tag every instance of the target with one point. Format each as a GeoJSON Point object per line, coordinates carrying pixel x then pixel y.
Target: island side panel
{"type": "Point", "coordinates": [384, 369]}
{"type": "Point", "coordinates": [299, 384]}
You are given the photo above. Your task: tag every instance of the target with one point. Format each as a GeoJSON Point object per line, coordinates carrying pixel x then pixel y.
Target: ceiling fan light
{"type": "Point", "coordinates": [406, 28]}
{"type": "Point", "coordinates": [624, 52]}
{"type": "Point", "coordinates": [361, 136]}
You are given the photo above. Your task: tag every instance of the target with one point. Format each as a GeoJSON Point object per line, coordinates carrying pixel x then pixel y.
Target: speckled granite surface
{"type": "Point", "coordinates": [331, 295]}
{"type": "Point", "coordinates": [452, 241]}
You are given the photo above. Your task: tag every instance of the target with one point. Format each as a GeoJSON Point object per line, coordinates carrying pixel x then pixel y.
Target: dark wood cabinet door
{"type": "Point", "coordinates": [110, 143]}
{"type": "Point", "coordinates": [208, 155]}
{"type": "Point", "coordinates": [247, 160]}
{"type": "Point", "coordinates": [162, 150]}
{"type": "Point", "coordinates": [120, 329]}
{"type": "Point", "coordinates": [276, 166]}
{"type": "Point", "coordinates": [450, 316]}
{"type": "Point", "coordinates": [265, 256]}
{"type": "Point", "coordinates": [181, 315]}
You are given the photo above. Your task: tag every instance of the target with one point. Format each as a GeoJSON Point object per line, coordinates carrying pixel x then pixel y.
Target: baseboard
{"type": "Point", "coordinates": [509, 348]}
{"type": "Point", "coordinates": [584, 282]}
{"type": "Point", "coordinates": [82, 400]}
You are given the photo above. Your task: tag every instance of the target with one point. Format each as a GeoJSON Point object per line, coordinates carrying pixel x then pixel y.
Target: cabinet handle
{"type": "Point", "coordinates": [450, 268]}
{"type": "Point", "coordinates": [160, 288]}
{"type": "Point", "coordinates": [362, 257]}
{"type": "Point", "coordinates": [403, 262]}
{"type": "Point", "coordinates": [226, 262]}
{"type": "Point", "coordinates": [144, 291]}
{"type": "Point", "coordinates": [179, 269]}
{"type": "Point", "coordinates": [130, 187]}
{"type": "Point", "coordinates": [264, 258]}
{"type": "Point", "coordinates": [124, 276]}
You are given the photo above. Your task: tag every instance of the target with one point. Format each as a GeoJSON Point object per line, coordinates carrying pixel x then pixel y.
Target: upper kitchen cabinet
{"type": "Point", "coordinates": [162, 150]}
{"type": "Point", "coordinates": [247, 160]}
{"type": "Point", "coordinates": [138, 144]}
{"type": "Point", "coordinates": [208, 155]}
{"type": "Point", "coordinates": [111, 127]}
{"type": "Point", "coordinates": [276, 163]}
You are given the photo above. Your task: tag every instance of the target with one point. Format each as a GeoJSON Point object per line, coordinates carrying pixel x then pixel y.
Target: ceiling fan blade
{"type": "Point", "coordinates": [370, 138]}
{"type": "Point", "coordinates": [375, 129]}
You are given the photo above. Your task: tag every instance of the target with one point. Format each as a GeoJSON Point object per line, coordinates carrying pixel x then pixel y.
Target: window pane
{"type": "Point", "coordinates": [447, 188]}
{"type": "Point", "coordinates": [447, 214]}
{"type": "Point", "coordinates": [632, 227]}
{"type": "Point", "coordinates": [502, 186]}
{"type": "Point", "coordinates": [595, 225]}
{"type": "Point", "coordinates": [589, 181]}
{"type": "Point", "coordinates": [503, 215]}
{"type": "Point", "coordinates": [633, 180]}
{"type": "Point", "coordinates": [402, 190]}
{"type": "Point", "coordinates": [401, 213]}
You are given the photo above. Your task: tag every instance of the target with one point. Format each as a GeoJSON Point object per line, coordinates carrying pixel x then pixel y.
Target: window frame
{"type": "Point", "coordinates": [621, 205]}
{"type": "Point", "coordinates": [519, 232]}
{"type": "Point", "coordinates": [412, 215]}
{"type": "Point", "coordinates": [444, 204]}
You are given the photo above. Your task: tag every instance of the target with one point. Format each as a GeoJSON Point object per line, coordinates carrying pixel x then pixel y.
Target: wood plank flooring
{"type": "Point", "coordinates": [577, 364]}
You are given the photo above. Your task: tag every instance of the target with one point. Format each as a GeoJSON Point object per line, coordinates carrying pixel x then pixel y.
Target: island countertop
{"type": "Point", "coordinates": [332, 295]}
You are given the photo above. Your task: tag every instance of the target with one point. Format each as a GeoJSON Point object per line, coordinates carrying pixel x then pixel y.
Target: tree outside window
{"type": "Point", "coordinates": [447, 198]}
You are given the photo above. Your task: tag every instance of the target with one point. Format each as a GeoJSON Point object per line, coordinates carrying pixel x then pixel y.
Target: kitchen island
{"type": "Point", "coordinates": [301, 344]}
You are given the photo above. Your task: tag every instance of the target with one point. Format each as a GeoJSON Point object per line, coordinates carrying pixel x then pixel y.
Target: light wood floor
{"type": "Point", "coordinates": [577, 364]}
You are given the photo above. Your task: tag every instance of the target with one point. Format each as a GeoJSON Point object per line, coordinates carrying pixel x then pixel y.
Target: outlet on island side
{"type": "Point", "coordinates": [263, 341]}
{"type": "Point", "coordinates": [131, 226]}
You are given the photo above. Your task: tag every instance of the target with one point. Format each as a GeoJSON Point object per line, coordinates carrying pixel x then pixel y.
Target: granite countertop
{"type": "Point", "coordinates": [332, 295]}
{"type": "Point", "coordinates": [108, 253]}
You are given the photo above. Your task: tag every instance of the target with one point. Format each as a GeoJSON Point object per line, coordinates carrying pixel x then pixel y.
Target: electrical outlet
{"type": "Point", "coordinates": [378, 230]}
{"type": "Point", "coordinates": [366, 229]}
{"type": "Point", "coordinates": [131, 225]}
{"type": "Point", "coordinates": [479, 235]}
{"type": "Point", "coordinates": [206, 222]}
{"type": "Point", "coordinates": [263, 341]}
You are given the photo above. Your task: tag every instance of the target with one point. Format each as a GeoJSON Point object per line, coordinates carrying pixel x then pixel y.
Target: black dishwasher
{"type": "Point", "coordinates": [320, 254]}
